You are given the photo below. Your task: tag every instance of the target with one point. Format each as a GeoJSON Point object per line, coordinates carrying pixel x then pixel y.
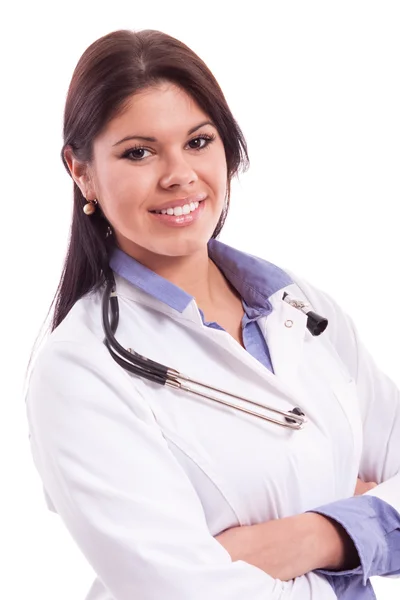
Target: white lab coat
{"type": "Point", "coordinates": [143, 476]}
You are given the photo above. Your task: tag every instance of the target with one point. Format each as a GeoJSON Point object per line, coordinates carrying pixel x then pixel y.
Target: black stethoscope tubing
{"type": "Point", "coordinates": [151, 370]}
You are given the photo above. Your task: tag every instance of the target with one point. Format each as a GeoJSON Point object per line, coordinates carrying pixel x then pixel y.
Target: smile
{"type": "Point", "coordinates": [178, 211]}
{"type": "Point", "coordinates": [179, 216]}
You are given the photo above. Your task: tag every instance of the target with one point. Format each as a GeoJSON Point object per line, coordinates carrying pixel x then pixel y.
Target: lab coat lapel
{"type": "Point", "coordinates": [285, 345]}
{"type": "Point", "coordinates": [284, 330]}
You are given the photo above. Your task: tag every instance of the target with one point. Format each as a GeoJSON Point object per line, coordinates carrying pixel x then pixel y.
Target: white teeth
{"type": "Point", "coordinates": [179, 210]}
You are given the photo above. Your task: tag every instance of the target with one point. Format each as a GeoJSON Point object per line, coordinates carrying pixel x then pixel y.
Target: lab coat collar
{"type": "Point", "coordinates": [283, 326]}
{"type": "Point", "coordinates": [285, 343]}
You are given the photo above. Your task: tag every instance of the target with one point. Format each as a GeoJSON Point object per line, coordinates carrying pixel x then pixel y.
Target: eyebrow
{"type": "Point", "coordinates": [153, 139]}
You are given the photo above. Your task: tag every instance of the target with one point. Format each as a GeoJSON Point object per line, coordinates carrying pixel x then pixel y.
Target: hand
{"type": "Point", "coordinates": [363, 487]}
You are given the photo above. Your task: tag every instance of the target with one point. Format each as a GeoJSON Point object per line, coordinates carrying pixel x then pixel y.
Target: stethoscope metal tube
{"type": "Point", "coordinates": [153, 371]}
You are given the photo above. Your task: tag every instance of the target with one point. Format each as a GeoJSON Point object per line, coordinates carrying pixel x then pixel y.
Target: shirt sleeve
{"type": "Point", "coordinates": [374, 527]}
{"type": "Point", "coordinates": [121, 493]}
{"type": "Point", "coordinates": [371, 520]}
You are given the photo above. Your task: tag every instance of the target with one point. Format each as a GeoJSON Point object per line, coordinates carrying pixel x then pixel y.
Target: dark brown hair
{"type": "Point", "coordinates": [111, 70]}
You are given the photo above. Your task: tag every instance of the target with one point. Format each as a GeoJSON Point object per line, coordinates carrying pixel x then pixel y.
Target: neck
{"type": "Point", "coordinates": [196, 274]}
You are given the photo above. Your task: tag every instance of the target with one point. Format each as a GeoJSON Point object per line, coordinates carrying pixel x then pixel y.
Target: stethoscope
{"type": "Point", "coordinates": [144, 367]}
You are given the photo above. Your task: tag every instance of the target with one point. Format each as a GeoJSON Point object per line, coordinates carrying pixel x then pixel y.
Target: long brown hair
{"type": "Point", "coordinates": [111, 70]}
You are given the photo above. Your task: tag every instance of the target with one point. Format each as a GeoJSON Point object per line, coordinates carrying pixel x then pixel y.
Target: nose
{"type": "Point", "coordinates": [177, 172]}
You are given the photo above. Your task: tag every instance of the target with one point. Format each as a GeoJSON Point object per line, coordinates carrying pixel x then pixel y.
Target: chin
{"type": "Point", "coordinates": [182, 247]}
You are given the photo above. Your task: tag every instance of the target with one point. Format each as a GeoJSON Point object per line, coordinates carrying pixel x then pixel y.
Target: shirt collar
{"type": "Point", "coordinates": [254, 278]}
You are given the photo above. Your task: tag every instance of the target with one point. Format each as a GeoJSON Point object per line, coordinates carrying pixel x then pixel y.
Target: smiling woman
{"type": "Point", "coordinates": [183, 165]}
{"type": "Point", "coordinates": [151, 89]}
{"type": "Point", "coordinates": [182, 498]}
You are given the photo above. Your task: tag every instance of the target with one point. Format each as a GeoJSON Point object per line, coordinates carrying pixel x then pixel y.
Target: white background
{"type": "Point", "coordinates": [315, 87]}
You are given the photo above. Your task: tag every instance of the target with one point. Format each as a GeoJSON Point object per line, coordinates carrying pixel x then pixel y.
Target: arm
{"type": "Point", "coordinates": [372, 520]}
{"type": "Point", "coordinates": [292, 546]}
{"type": "Point", "coordinates": [121, 493]}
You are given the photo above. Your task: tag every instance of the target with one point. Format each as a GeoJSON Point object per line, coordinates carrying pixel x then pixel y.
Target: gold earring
{"type": "Point", "coordinates": [90, 207]}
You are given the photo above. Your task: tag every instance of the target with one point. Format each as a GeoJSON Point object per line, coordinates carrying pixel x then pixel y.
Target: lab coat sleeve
{"type": "Point", "coordinates": [372, 520]}
{"type": "Point", "coordinates": [121, 493]}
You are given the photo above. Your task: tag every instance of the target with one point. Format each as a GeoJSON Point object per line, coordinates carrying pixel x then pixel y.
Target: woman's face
{"type": "Point", "coordinates": [180, 168]}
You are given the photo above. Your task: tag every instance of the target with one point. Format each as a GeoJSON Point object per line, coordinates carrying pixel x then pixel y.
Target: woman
{"type": "Point", "coordinates": [174, 495]}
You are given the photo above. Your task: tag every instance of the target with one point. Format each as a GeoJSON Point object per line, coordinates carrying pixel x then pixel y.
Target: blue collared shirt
{"type": "Point", "coordinates": [265, 279]}
{"type": "Point", "coordinates": [372, 524]}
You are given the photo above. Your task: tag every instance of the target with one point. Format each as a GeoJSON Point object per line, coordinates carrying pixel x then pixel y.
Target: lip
{"type": "Point", "coordinates": [180, 202]}
{"type": "Point", "coordinates": [181, 221]}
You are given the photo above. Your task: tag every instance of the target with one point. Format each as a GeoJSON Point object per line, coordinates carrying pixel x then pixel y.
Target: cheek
{"type": "Point", "coordinates": [123, 189]}
{"type": "Point", "coordinates": [212, 177]}
{"type": "Point", "coordinates": [220, 174]}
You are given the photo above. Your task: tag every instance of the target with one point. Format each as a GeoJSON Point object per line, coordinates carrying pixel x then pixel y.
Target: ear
{"type": "Point", "coordinates": [80, 174]}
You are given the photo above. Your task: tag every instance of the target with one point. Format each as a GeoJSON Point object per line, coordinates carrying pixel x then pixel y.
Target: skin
{"type": "Point", "coordinates": [174, 166]}
{"type": "Point", "coordinates": [169, 169]}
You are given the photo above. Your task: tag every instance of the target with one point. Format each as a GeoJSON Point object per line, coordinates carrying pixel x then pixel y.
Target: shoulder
{"type": "Point", "coordinates": [73, 373]}
{"type": "Point", "coordinates": [77, 342]}
{"type": "Point", "coordinates": [83, 322]}
{"type": "Point", "coordinates": [323, 303]}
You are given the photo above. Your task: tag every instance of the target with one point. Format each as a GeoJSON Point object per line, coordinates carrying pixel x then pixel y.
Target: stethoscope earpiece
{"type": "Point", "coordinates": [296, 411]}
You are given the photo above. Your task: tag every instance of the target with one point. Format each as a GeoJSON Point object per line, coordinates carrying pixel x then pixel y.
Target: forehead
{"type": "Point", "coordinates": [163, 110]}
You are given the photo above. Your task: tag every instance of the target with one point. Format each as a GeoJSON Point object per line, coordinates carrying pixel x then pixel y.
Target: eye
{"type": "Point", "coordinates": [136, 154]}
{"type": "Point", "coordinates": [201, 141]}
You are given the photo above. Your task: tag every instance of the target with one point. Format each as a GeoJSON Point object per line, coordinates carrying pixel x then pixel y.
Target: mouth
{"type": "Point", "coordinates": [179, 216]}
{"type": "Point", "coordinates": [173, 203]}
{"type": "Point", "coordinates": [178, 211]}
